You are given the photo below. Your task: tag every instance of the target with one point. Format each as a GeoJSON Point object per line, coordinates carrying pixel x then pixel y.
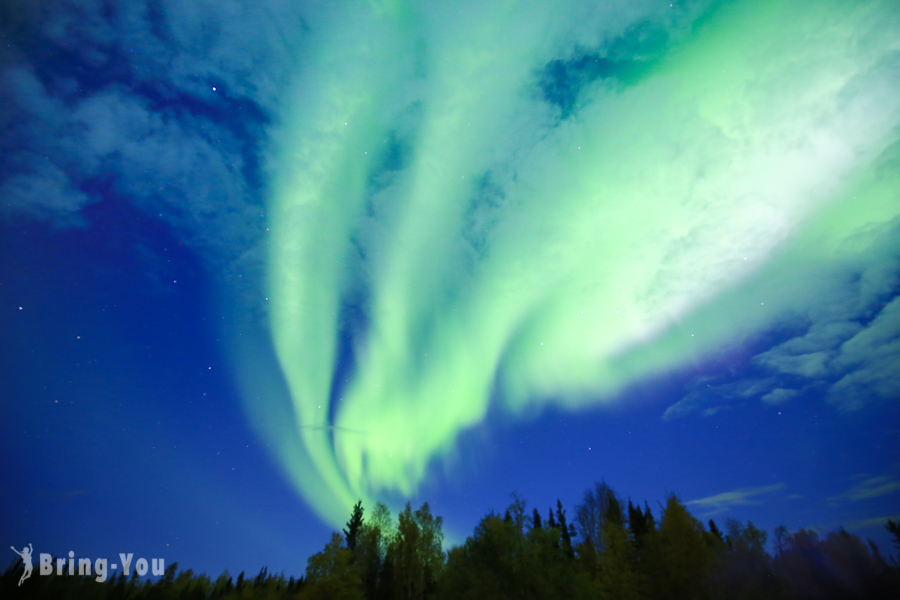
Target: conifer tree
{"type": "Point", "coordinates": [715, 531]}
{"type": "Point", "coordinates": [679, 560]}
{"type": "Point", "coordinates": [565, 533]}
{"type": "Point", "coordinates": [894, 529]}
{"type": "Point", "coordinates": [354, 525]}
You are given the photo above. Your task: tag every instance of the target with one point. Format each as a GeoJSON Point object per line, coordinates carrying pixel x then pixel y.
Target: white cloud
{"type": "Point", "coordinates": [870, 487]}
{"type": "Point", "coordinates": [709, 395]}
{"type": "Point", "coordinates": [780, 396]}
{"type": "Point", "coordinates": [140, 114]}
{"type": "Point", "coordinates": [870, 360]}
{"type": "Point", "coordinates": [722, 502]}
{"type": "Point", "coordinates": [847, 319]}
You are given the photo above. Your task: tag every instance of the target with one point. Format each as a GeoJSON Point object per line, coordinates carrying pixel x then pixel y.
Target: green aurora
{"type": "Point", "coordinates": [714, 176]}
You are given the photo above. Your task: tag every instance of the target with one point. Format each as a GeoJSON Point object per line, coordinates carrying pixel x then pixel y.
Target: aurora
{"type": "Point", "coordinates": [264, 266]}
{"type": "Point", "coordinates": [522, 205]}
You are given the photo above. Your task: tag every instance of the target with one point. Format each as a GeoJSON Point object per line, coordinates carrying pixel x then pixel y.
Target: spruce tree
{"type": "Point", "coordinates": [564, 529]}
{"type": "Point", "coordinates": [351, 534]}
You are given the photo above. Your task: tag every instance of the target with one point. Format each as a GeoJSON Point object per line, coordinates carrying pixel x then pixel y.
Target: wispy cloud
{"type": "Point", "coordinates": [709, 395]}
{"type": "Point", "coordinates": [871, 487]}
{"type": "Point", "coordinates": [873, 522]}
{"type": "Point", "coordinates": [780, 396]}
{"type": "Point", "coordinates": [847, 354]}
{"type": "Point", "coordinates": [149, 114]}
{"type": "Point", "coordinates": [719, 503]}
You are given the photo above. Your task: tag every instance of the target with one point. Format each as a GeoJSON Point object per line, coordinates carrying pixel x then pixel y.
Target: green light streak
{"type": "Point", "coordinates": [646, 215]}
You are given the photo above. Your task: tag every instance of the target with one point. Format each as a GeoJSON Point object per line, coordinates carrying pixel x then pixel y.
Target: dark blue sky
{"type": "Point", "coordinates": [141, 180]}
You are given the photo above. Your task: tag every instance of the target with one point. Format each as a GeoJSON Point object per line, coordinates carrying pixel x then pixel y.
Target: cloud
{"type": "Point", "coordinates": [720, 503]}
{"type": "Point", "coordinates": [33, 176]}
{"type": "Point", "coordinates": [166, 109]}
{"type": "Point", "coordinates": [181, 47]}
{"type": "Point", "coordinates": [709, 395]}
{"type": "Point", "coordinates": [849, 327]}
{"type": "Point", "coordinates": [779, 396]}
{"type": "Point", "coordinates": [853, 358]}
{"type": "Point", "coordinates": [871, 487]}
{"type": "Point", "coordinates": [868, 362]}
{"type": "Point", "coordinates": [878, 522]}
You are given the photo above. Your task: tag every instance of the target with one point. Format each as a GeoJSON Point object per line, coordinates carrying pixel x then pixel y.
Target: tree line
{"type": "Point", "coordinates": [609, 548]}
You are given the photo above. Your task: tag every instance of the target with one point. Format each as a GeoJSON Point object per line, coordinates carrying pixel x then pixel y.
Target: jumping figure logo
{"type": "Point", "coordinates": [84, 567]}
{"type": "Point", "coordinates": [26, 558]}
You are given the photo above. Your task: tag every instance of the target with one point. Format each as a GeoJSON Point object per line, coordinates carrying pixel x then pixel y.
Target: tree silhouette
{"type": "Point", "coordinates": [377, 558]}
{"type": "Point", "coordinates": [894, 529]}
{"type": "Point", "coordinates": [354, 525]}
{"type": "Point", "coordinates": [330, 574]}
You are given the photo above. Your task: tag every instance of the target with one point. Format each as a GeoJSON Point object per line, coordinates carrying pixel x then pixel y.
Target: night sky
{"type": "Point", "coordinates": [261, 260]}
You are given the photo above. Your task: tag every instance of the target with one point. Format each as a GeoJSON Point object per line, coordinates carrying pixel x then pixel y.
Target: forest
{"type": "Point", "coordinates": [607, 548]}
